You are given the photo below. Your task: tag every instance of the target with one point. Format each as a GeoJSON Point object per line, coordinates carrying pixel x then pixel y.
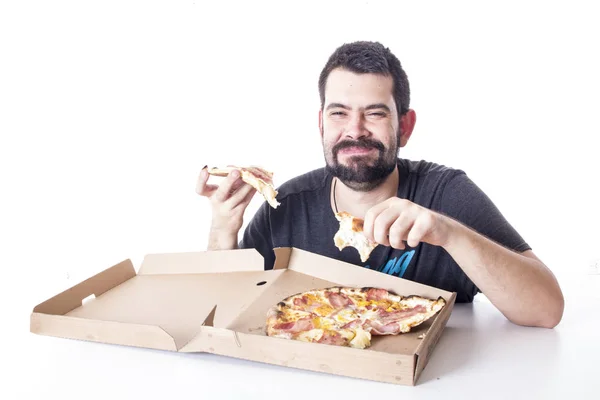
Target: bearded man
{"type": "Point", "coordinates": [432, 224]}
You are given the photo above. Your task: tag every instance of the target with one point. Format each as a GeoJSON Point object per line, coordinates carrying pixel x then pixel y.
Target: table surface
{"type": "Point", "coordinates": [479, 354]}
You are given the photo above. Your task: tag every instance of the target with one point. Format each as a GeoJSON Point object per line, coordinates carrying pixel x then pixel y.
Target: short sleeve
{"type": "Point", "coordinates": [465, 202]}
{"type": "Point", "coordinates": [257, 235]}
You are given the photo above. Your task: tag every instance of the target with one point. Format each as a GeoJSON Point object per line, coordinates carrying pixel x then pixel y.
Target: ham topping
{"type": "Point", "coordinates": [399, 315]}
{"type": "Point", "coordinates": [352, 324]}
{"type": "Point", "coordinates": [306, 304]}
{"type": "Point", "coordinates": [332, 337]}
{"type": "Point", "coordinates": [338, 300]}
{"type": "Point", "coordinates": [376, 294]}
{"type": "Point", "coordinates": [379, 329]}
{"type": "Point", "coordinates": [259, 173]}
{"type": "Point", "coordinates": [301, 325]}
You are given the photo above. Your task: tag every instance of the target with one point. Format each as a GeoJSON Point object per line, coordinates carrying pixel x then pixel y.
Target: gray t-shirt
{"type": "Point", "coordinates": [306, 221]}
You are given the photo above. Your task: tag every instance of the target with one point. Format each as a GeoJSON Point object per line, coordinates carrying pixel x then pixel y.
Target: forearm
{"type": "Point", "coordinates": [522, 288]}
{"type": "Point", "coordinates": [218, 240]}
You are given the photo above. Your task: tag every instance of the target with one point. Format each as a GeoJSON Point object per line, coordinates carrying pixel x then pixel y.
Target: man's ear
{"type": "Point", "coordinates": [321, 122]}
{"type": "Point", "coordinates": [407, 124]}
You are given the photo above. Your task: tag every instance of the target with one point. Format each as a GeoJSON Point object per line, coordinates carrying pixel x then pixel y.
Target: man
{"type": "Point", "coordinates": [433, 224]}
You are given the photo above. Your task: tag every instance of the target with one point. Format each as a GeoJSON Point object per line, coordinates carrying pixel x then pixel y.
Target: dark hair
{"type": "Point", "coordinates": [369, 57]}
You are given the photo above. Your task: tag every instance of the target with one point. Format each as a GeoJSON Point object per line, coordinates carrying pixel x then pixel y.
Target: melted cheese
{"type": "Point", "coordinates": [323, 310]}
{"type": "Point", "coordinates": [322, 323]}
{"type": "Point", "coordinates": [311, 298]}
{"type": "Point", "coordinates": [310, 336]}
{"type": "Point", "coordinates": [292, 315]}
{"type": "Point", "coordinates": [346, 236]}
{"type": "Point", "coordinates": [361, 339]}
{"type": "Point", "coordinates": [344, 316]}
{"type": "Point", "coordinates": [368, 314]}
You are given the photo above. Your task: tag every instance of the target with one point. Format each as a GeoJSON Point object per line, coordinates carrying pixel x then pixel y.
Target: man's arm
{"type": "Point", "coordinates": [518, 284]}
{"type": "Point", "coordinates": [483, 244]}
{"type": "Point", "coordinates": [222, 240]}
{"type": "Point", "coordinates": [228, 201]}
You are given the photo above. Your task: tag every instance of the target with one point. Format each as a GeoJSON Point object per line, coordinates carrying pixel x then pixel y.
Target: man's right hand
{"type": "Point", "coordinates": [228, 200]}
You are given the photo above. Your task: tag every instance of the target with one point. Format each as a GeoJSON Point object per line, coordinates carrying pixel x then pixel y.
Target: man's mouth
{"type": "Point", "coordinates": [356, 150]}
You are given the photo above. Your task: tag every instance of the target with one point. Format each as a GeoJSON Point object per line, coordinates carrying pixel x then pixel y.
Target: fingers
{"type": "Point", "coordinates": [388, 210]}
{"type": "Point", "coordinates": [232, 192]}
{"type": "Point", "coordinates": [370, 218]}
{"type": "Point", "coordinates": [421, 228]}
{"type": "Point", "coordinates": [398, 223]}
{"type": "Point", "coordinates": [400, 229]}
{"type": "Point", "coordinates": [202, 188]}
{"type": "Point", "coordinates": [382, 224]}
{"type": "Point", "coordinates": [249, 196]}
{"type": "Point", "coordinates": [227, 187]}
{"type": "Point", "coordinates": [242, 196]}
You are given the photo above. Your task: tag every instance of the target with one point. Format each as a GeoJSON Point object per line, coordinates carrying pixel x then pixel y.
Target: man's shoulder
{"type": "Point", "coordinates": [428, 169]}
{"type": "Point", "coordinates": [310, 181]}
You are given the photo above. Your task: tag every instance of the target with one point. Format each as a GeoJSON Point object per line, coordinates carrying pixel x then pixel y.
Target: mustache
{"type": "Point", "coordinates": [362, 143]}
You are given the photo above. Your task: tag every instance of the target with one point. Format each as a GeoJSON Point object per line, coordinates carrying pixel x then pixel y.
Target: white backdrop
{"type": "Point", "coordinates": [110, 108]}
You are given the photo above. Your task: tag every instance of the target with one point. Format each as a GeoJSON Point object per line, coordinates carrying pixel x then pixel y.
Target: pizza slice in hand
{"type": "Point", "coordinates": [350, 234]}
{"type": "Point", "coordinates": [257, 177]}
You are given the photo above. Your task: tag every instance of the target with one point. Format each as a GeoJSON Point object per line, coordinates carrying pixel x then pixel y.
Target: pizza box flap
{"type": "Point", "coordinates": [347, 274]}
{"type": "Point", "coordinates": [202, 262]}
{"type": "Point", "coordinates": [431, 337]}
{"type": "Point", "coordinates": [342, 361]}
{"type": "Point", "coordinates": [52, 317]}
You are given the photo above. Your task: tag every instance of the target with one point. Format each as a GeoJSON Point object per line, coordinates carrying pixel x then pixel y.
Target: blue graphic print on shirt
{"type": "Point", "coordinates": [397, 266]}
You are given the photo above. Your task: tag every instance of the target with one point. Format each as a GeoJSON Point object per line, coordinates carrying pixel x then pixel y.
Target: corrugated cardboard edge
{"type": "Point", "coordinates": [427, 346]}
{"type": "Point", "coordinates": [282, 257]}
{"type": "Point", "coordinates": [214, 261]}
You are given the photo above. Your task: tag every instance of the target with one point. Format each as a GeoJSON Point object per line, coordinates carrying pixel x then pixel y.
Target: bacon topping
{"type": "Point", "coordinates": [306, 304]}
{"type": "Point", "coordinates": [332, 337]}
{"type": "Point", "coordinates": [338, 300]}
{"type": "Point", "coordinates": [352, 324]}
{"type": "Point", "coordinates": [376, 294]}
{"type": "Point", "coordinates": [300, 301]}
{"type": "Point", "coordinates": [259, 173]}
{"type": "Point", "coordinates": [383, 329]}
{"type": "Point", "coordinates": [399, 315]}
{"type": "Point", "coordinates": [301, 325]}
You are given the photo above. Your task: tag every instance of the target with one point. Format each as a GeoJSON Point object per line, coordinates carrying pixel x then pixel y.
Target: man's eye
{"type": "Point", "coordinates": [377, 114]}
{"type": "Point", "coordinates": [337, 113]}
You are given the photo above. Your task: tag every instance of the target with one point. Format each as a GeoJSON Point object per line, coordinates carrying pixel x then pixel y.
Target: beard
{"type": "Point", "coordinates": [362, 174]}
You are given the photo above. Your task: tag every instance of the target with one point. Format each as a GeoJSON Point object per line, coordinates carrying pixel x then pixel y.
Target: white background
{"type": "Point", "coordinates": [109, 109]}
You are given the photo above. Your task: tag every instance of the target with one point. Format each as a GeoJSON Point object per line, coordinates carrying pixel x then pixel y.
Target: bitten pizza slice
{"type": "Point", "coordinates": [350, 234]}
{"type": "Point", "coordinates": [257, 177]}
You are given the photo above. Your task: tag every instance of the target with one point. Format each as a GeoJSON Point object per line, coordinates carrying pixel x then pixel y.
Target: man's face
{"type": "Point", "coordinates": [359, 128]}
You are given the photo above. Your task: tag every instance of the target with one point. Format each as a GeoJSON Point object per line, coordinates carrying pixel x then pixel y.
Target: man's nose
{"type": "Point", "coordinates": [355, 128]}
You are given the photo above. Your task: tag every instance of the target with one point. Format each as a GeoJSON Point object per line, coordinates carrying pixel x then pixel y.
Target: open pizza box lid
{"type": "Point", "coordinates": [216, 302]}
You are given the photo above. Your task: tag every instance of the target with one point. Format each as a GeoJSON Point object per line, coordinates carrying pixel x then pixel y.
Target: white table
{"type": "Point", "coordinates": [480, 355]}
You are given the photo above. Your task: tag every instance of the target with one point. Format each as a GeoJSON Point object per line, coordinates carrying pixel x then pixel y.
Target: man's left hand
{"type": "Point", "coordinates": [396, 220]}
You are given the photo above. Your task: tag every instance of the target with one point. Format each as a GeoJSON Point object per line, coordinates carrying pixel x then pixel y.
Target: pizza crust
{"type": "Point", "coordinates": [257, 177]}
{"type": "Point", "coordinates": [350, 234]}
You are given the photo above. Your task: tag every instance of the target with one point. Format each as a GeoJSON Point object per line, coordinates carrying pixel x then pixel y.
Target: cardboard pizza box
{"type": "Point", "coordinates": [216, 302]}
